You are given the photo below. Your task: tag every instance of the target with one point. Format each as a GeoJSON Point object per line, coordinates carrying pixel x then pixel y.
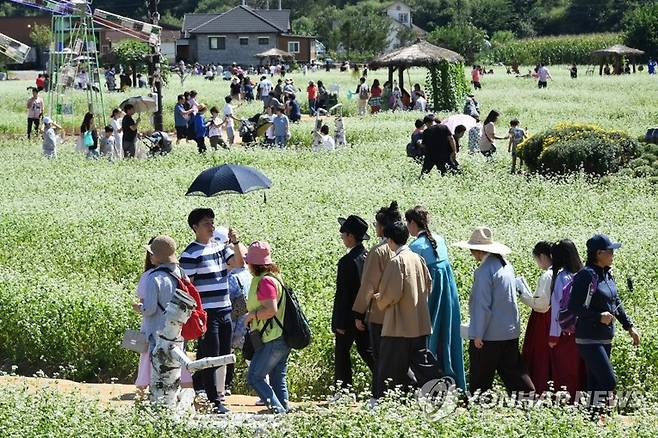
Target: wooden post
{"type": "Point", "coordinates": [391, 69]}
{"type": "Point", "coordinates": [401, 78]}
{"type": "Point", "coordinates": [633, 58]}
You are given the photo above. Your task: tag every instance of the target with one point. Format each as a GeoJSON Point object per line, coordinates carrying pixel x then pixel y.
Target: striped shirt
{"type": "Point", "coordinates": [206, 265]}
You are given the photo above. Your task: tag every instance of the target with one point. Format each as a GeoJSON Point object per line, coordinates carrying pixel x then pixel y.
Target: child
{"type": "Point", "coordinates": [516, 136]}
{"type": "Point", "coordinates": [474, 135]}
{"type": "Point", "coordinates": [200, 128]}
{"type": "Point", "coordinates": [107, 142]}
{"type": "Point", "coordinates": [215, 130]}
{"type": "Point", "coordinates": [49, 138]}
{"type": "Point", "coordinates": [414, 149]}
{"type": "Point", "coordinates": [293, 109]}
{"type": "Point", "coordinates": [117, 129]}
{"type": "Point", "coordinates": [327, 143]}
{"type": "Point", "coordinates": [228, 120]}
{"type": "Point", "coordinates": [281, 128]}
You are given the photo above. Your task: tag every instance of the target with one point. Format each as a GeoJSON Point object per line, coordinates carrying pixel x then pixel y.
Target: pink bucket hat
{"type": "Point", "coordinates": [259, 253]}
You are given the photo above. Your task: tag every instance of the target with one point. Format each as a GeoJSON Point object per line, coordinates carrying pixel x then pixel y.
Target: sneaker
{"type": "Point", "coordinates": [220, 409]}
{"type": "Point", "coordinates": [260, 402]}
{"type": "Point", "coordinates": [227, 393]}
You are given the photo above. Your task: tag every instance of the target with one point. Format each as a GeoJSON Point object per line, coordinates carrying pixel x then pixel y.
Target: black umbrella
{"type": "Point", "coordinates": [229, 178]}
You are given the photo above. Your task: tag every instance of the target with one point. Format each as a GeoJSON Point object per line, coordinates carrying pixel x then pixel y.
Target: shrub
{"type": "Point", "coordinates": [572, 147]}
{"type": "Point", "coordinates": [565, 49]}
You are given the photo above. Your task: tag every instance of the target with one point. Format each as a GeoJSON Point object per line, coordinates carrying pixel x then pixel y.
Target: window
{"type": "Point", "coordinates": [263, 41]}
{"type": "Point", "coordinates": [217, 43]}
{"type": "Point", "coordinates": [244, 41]}
{"type": "Point", "coordinates": [293, 46]}
{"type": "Point", "coordinates": [404, 17]}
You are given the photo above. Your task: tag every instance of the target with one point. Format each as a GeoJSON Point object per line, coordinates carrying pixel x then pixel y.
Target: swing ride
{"type": "Point", "coordinates": [12, 49]}
{"type": "Point", "coordinates": [73, 62]}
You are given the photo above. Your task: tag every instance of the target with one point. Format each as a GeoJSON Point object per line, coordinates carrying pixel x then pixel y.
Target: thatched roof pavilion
{"type": "Point", "coordinates": [420, 54]}
{"type": "Point", "coordinates": [617, 52]}
{"type": "Point", "coordinates": [274, 54]}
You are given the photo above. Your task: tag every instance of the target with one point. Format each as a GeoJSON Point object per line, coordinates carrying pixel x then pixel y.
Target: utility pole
{"type": "Point", "coordinates": [154, 17]}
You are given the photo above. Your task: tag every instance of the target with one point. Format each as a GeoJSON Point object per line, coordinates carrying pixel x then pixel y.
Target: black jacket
{"type": "Point", "coordinates": [348, 281]}
{"type": "Point", "coordinates": [606, 299]}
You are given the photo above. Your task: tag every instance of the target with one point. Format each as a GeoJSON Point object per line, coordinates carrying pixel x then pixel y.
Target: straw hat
{"type": "Point", "coordinates": [164, 248]}
{"type": "Point", "coordinates": [482, 240]}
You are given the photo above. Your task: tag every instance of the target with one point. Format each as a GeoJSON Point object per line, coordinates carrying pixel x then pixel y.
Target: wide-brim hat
{"type": "Point", "coordinates": [259, 253]}
{"type": "Point", "coordinates": [354, 225]}
{"type": "Point", "coordinates": [482, 240]}
{"type": "Point", "coordinates": [164, 248]}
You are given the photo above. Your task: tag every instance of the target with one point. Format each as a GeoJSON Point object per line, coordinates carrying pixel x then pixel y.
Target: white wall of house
{"type": "Point", "coordinates": [401, 13]}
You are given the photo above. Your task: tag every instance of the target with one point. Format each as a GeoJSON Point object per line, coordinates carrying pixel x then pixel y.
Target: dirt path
{"type": "Point", "coordinates": [116, 394]}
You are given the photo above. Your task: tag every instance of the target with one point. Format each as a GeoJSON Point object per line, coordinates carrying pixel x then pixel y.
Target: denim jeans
{"type": "Point", "coordinates": [281, 140]}
{"type": "Point", "coordinates": [271, 360]}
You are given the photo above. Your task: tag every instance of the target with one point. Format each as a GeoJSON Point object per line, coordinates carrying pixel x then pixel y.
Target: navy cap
{"type": "Point", "coordinates": [600, 242]}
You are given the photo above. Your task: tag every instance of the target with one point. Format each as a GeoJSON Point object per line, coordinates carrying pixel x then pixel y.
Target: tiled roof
{"type": "Point", "coordinates": [241, 19]}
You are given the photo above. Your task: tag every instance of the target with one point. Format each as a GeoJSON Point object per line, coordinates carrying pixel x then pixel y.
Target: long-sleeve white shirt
{"type": "Point", "coordinates": [541, 301]}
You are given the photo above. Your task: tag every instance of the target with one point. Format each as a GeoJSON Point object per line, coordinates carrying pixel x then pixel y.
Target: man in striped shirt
{"type": "Point", "coordinates": [207, 262]}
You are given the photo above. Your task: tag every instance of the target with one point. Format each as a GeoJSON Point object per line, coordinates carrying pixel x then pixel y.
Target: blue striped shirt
{"type": "Point", "coordinates": [206, 265]}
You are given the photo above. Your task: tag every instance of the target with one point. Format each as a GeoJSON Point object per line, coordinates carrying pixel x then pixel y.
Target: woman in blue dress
{"type": "Point", "coordinates": [445, 341]}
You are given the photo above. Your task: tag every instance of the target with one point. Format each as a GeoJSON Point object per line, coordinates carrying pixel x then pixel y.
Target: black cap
{"type": "Point", "coordinates": [354, 225]}
{"type": "Point", "coordinates": [601, 242]}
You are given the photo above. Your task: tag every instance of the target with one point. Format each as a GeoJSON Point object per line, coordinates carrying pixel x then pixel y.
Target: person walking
{"type": "Point", "coordinates": [207, 261]}
{"type": "Point", "coordinates": [312, 95]}
{"type": "Point", "coordinates": [402, 295]}
{"type": "Point", "coordinates": [445, 341]}
{"type": "Point", "coordinates": [488, 139]}
{"type": "Point", "coordinates": [543, 75]}
{"type": "Point", "coordinates": [267, 301]}
{"type": "Point", "coordinates": [439, 147]}
{"type": "Point", "coordinates": [595, 301]}
{"type": "Point", "coordinates": [363, 91]}
{"type": "Point", "coordinates": [35, 108]}
{"type": "Point", "coordinates": [367, 315]}
{"type": "Point", "coordinates": [144, 369]}
{"type": "Point", "coordinates": [117, 132]}
{"type": "Point", "coordinates": [200, 128]}
{"type": "Point", "coordinates": [375, 101]}
{"type": "Point", "coordinates": [129, 128]}
{"type": "Point", "coordinates": [353, 232]}
{"type": "Point", "coordinates": [494, 318]}
{"type": "Point", "coordinates": [49, 147]}
{"type": "Point", "coordinates": [89, 135]}
{"type": "Point", "coordinates": [536, 352]}
{"type": "Point", "coordinates": [567, 368]}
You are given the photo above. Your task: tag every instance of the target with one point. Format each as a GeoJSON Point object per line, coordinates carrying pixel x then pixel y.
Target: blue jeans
{"type": "Point", "coordinates": [272, 360]}
{"type": "Point", "coordinates": [281, 140]}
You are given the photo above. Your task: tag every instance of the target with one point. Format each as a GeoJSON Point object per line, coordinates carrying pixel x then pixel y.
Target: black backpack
{"type": "Point", "coordinates": [296, 329]}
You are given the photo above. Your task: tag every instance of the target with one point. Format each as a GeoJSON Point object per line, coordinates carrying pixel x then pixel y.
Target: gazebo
{"type": "Point", "coordinates": [420, 54]}
{"type": "Point", "coordinates": [274, 54]}
{"type": "Point", "coordinates": [617, 52]}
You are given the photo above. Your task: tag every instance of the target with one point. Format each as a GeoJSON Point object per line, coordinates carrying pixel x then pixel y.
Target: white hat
{"type": "Point", "coordinates": [482, 240]}
{"type": "Point", "coordinates": [47, 121]}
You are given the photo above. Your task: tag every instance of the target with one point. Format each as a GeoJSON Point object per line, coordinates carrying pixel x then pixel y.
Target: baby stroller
{"type": "Point", "coordinates": [158, 143]}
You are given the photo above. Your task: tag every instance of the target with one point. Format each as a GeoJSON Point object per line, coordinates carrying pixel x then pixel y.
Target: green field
{"type": "Point", "coordinates": [72, 233]}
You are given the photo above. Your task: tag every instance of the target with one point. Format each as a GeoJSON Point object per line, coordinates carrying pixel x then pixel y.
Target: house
{"type": "Point", "coordinates": [401, 23]}
{"type": "Point", "coordinates": [239, 34]}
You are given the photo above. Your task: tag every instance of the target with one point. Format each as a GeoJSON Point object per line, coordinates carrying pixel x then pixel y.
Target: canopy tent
{"type": "Point", "coordinates": [420, 54]}
{"type": "Point", "coordinates": [274, 54]}
{"type": "Point", "coordinates": [617, 52]}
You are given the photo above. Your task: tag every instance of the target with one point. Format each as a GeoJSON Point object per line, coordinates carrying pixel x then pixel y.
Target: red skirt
{"type": "Point", "coordinates": [536, 352]}
{"type": "Point", "coordinates": [567, 367]}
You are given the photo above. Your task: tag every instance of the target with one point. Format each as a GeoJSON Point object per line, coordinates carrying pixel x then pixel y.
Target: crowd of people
{"type": "Point", "coordinates": [399, 303]}
{"type": "Point", "coordinates": [434, 144]}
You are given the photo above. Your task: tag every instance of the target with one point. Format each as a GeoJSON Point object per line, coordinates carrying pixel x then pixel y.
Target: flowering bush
{"type": "Point", "coordinates": [570, 148]}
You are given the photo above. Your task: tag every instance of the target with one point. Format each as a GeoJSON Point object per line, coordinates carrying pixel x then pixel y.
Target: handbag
{"type": "Point", "coordinates": [88, 139]}
{"type": "Point", "coordinates": [136, 341]}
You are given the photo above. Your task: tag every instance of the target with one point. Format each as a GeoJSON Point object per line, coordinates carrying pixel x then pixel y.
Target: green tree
{"type": "Point", "coordinates": [492, 15]}
{"type": "Point", "coordinates": [641, 29]}
{"type": "Point", "coordinates": [41, 36]}
{"type": "Point", "coordinates": [134, 54]}
{"type": "Point", "coordinates": [464, 38]}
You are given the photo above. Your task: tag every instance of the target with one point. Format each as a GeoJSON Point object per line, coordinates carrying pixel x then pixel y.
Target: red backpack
{"type": "Point", "coordinates": [197, 324]}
